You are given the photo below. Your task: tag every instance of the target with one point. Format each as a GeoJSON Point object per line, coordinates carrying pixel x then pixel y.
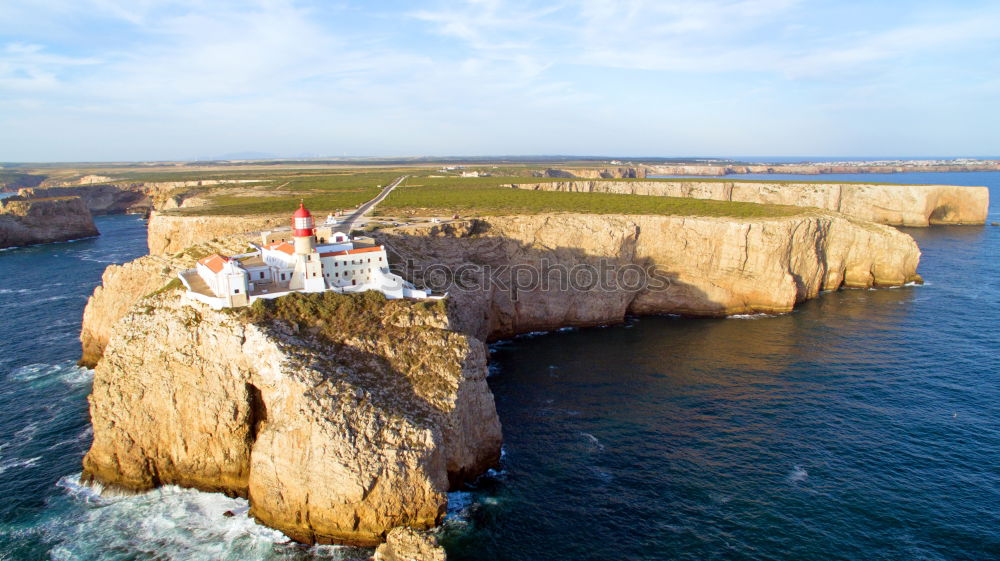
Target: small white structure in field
{"type": "Point", "coordinates": [303, 259]}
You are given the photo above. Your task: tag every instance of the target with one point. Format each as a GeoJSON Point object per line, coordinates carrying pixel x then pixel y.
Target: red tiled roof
{"type": "Point", "coordinates": [283, 247]}
{"type": "Point", "coordinates": [214, 262]}
{"type": "Point", "coordinates": [351, 251]}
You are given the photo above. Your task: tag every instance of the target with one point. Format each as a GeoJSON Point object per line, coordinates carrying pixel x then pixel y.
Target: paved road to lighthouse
{"type": "Point", "coordinates": [355, 218]}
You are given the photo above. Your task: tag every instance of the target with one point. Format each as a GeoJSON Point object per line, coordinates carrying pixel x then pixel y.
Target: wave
{"type": "Point", "coordinates": [66, 372]}
{"type": "Point", "coordinates": [798, 475]}
{"type": "Point", "coordinates": [49, 243]}
{"type": "Point", "coordinates": [19, 463]}
{"type": "Point", "coordinates": [15, 290]}
{"type": "Point", "coordinates": [755, 316]}
{"type": "Point", "coordinates": [177, 524]}
{"type": "Point", "coordinates": [593, 442]}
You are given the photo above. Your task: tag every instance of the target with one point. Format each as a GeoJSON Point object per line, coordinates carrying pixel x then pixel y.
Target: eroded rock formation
{"type": "Point", "coordinates": [338, 417]}
{"type": "Point", "coordinates": [170, 233]}
{"type": "Point", "coordinates": [898, 205]}
{"type": "Point", "coordinates": [344, 429]}
{"type": "Point", "coordinates": [34, 221]}
{"type": "Point", "coordinates": [99, 199]}
{"type": "Point", "coordinates": [700, 266]}
{"type": "Point", "coordinates": [407, 544]}
{"type": "Point", "coordinates": [123, 285]}
{"type": "Point", "coordinates": [618, 172]}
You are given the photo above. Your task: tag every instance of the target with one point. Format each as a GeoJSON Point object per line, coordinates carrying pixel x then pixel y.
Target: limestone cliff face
{"type": "Point", "coordinates": [99, 199]}
{"type": "Point", "coordinates": [341, 431]}
{"type": "Point", "coordinates": [123, 285]}
{"type": "Point", "coordinates": [170, 233]}
{"type": "Point", "coordinates": [34, 221]}
{"type": "Point", "coordinates": [338, 423]}
{"type": "Point", "coordinates": [599, 173]}
{"type": "Point", "coordinates": [714, 266]}
{"type": "Point", "coordinates": [695, 266]}
{"type": "Point", "coordinates": [898, 205]}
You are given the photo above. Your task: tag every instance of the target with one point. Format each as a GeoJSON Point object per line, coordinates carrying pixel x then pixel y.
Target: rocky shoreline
{"type": "Point", "coordinates": [339, 418]}
{"type": "Point", "coordinates": [32, 221]}
{"type": "Point", "coordinates": [343, 418]}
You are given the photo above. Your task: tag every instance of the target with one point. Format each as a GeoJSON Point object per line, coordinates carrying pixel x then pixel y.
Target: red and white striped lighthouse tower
{"type": "Point", "coordinates": [303, 230]}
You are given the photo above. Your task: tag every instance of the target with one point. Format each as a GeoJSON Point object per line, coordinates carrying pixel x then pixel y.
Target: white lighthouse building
{"type": "Point", "coordinates": [303, 259]}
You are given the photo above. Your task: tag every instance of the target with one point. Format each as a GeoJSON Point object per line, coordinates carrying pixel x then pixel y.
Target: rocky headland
{"type": "Point", "coordinates": [30, 221]}
{"type": "Point", "coordinates": [719, 169]}
{"type": "Point", "coordinates": [344, 418]}
{"type": "Point", "coordinates": [338, 417]}
{"type": "Point", "coordinates": [99, 199]}
{"type": "Point", "coordinates": [898, 205]}
{"type": "Point", "coordinates": [694, 266]}
{"type": "Point", "coordinates": [170, 233]}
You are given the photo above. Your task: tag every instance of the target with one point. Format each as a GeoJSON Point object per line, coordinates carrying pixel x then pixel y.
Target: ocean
{"type": "Point", "coordinates": [863, 425]}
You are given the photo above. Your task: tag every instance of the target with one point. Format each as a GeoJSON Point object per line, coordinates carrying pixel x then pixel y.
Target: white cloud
{"type": "Point", "coordinates": [478, 73]}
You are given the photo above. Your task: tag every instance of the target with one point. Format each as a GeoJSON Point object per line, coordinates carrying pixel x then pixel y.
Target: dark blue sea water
{"type": "Point", "coordinates": [864, 425]}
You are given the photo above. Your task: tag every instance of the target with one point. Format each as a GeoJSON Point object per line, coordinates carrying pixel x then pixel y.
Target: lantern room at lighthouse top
{"type": "Point", "coordinates": [302, 222]}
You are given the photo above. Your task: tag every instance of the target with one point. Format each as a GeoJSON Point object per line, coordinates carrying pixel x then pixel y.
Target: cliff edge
{"type": "Point", "coordinates": [343, 417]}
{"type": "Point", "coordinates": [338, 417]}
{"type": "Point", "coordinates": [705, 266]}
{"type": "Point", "coordinates": [513, 275]}
{"type": "Point", "coordinates": [896, 205]}
{"type": "Point", "coordinates": [35, 221]}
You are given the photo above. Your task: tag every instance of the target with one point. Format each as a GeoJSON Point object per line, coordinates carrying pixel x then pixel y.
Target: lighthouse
{"type": "Point", "coordinates": [303, 230]}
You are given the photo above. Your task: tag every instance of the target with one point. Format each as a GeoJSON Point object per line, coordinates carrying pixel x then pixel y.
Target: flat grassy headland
{"type": "Point", "coordinates": [322, 192]}
{"type": "Point", "coordinates": [429, 193]}
{"type": "Point", "coordinates": [424, 196]}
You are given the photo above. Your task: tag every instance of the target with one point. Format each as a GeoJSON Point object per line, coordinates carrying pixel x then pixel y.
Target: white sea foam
{"type": "Point", "coordinates": [593, 442]}
{"type": "Point", "coordinates": [459, 503]}
{"type": "Point", "coordinates": [174, 523]}
{"type": "Point", "coordinates": [15, 290]}
{"type": "Point", "coordinates": [18, 463]}
{"type": "Point", "coordinates": [65, 372]}
{"type": "Point", "coordinates": [753, 316]}
{"type": "Point", "coordinates": [798, 475]}
{"type": "Point", "coordinates": [531, 334]}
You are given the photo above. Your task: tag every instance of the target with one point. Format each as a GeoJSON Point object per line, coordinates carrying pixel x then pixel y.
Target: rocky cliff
{"type": "Point", "coordinates": [898, 205]}
{"type": "Point", "coordinates": [819, 169]}
{"type": "Point", "coordinates": [341, 417]}
{"type": "Point", "coordinates": [34, 221]}
{"type": "Point", "coordinates": [338, 417]}
{"type": "Point", "coordinates": [99, 199]}
{"type": "Point", "coordinates": [599, 173]}
{"type": "Point", "coordinates": [170, 233]}
{"type": "Point", "coordinates": [712, 266]}
{"type": "Point", "coordinates": [600, 268]}
{"type": "Point", "coordinates": [123, 285]}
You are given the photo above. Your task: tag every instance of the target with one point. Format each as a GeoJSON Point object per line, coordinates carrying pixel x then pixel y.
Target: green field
{"type": "Point", "coordinates": [430, 192]}
{"type": "Point", "coordinates": [485, 196]}
{"type": "Point", "coordinates": [323, 193]}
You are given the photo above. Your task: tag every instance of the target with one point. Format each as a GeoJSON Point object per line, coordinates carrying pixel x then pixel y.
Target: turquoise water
{"type": "Point", "coordinates": [865, 425]}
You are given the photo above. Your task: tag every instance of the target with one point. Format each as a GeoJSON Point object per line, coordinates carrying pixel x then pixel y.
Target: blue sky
{"type": "Point", "coordinates": [162, 80]}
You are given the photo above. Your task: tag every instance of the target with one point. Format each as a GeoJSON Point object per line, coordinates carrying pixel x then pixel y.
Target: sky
{"type": "Point", "coordinates": [113, 80]}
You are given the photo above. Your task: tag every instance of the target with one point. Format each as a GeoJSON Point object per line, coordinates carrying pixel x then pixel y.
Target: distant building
{"type": "Point", "coordinates": [302, 259]}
